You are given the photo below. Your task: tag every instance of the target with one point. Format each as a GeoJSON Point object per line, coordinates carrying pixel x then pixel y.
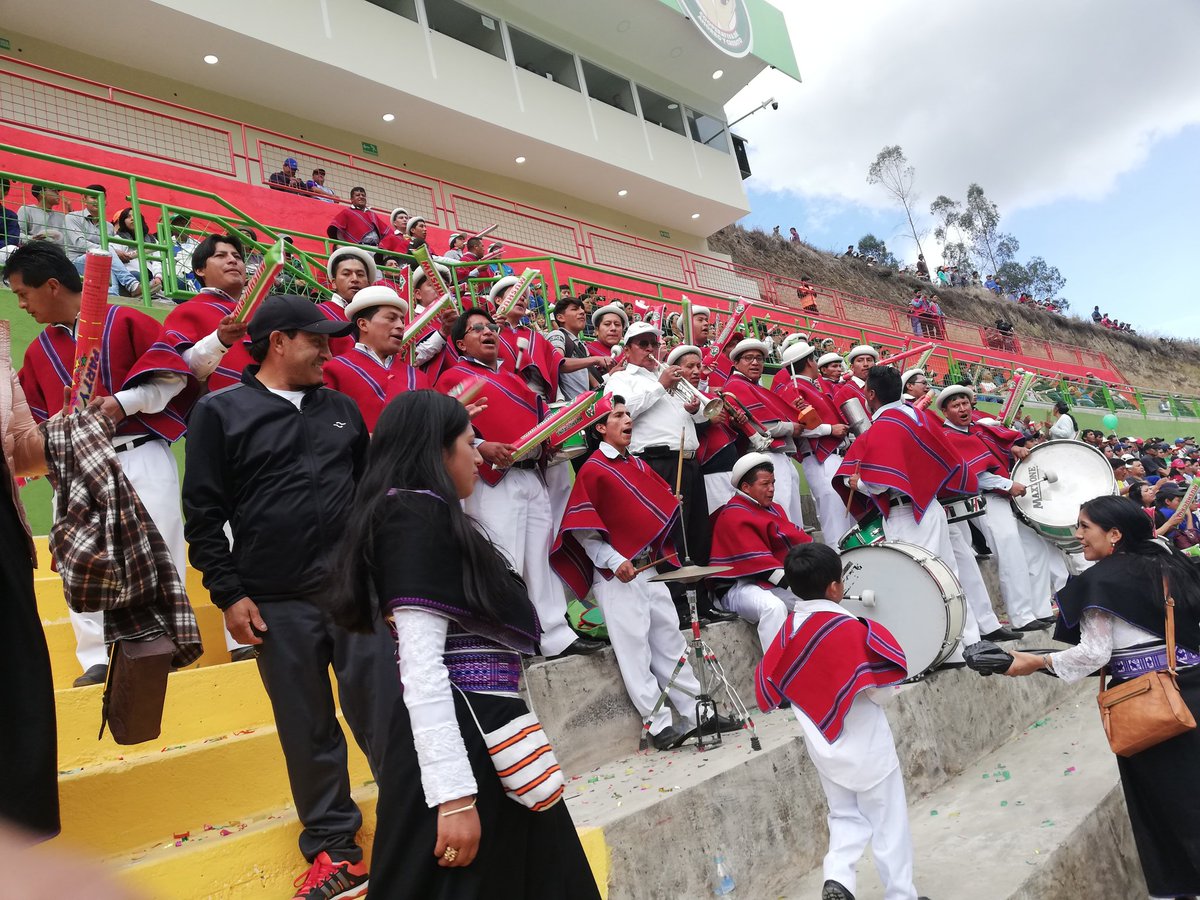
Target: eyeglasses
{"type": "Point", "coordinates": [751, 357]}
{"type": "Point", "coordinates": [647, 345]}
{"type": "Point", "coordinates": [480, 327]}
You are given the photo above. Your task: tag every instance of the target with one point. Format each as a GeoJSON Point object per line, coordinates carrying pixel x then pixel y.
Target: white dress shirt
{"type": "Point", "coordinates": [658, 417]}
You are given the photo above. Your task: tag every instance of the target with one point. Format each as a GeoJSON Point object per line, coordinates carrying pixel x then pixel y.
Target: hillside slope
{"type": "Point", "coordinates": [1146, 361]}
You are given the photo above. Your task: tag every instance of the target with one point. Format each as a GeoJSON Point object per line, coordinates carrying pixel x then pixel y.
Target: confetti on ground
{"type": "Point", "coordinates": [1070, 770]}
{"type": "Point", "coordinates": [933, 812]}
{"type": "Point", "coordinates": [1004, 803]}
{"type": "Point", "coordinates": [1047, 823]}
{"type": "Point", "coordinates": [182, 836]}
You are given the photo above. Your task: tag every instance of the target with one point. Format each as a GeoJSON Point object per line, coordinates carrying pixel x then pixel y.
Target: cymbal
{"type": "Point", "coordinates": [689, 574]}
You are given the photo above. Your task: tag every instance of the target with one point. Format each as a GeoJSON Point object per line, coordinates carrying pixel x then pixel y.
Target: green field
{"type": "Point", "coordinates": [37, 494]}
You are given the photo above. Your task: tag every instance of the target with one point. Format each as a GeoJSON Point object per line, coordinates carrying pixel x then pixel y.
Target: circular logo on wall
{"type": "Point", "coordinates": [726, 23]}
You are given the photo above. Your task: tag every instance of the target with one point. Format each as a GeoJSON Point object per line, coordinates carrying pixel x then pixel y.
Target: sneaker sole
{"type": "Point", "coordinates": [354, 893]}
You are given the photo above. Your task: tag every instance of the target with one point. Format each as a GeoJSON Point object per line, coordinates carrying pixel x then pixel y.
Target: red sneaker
{"type": "Point", "coordinates": [329, 880]}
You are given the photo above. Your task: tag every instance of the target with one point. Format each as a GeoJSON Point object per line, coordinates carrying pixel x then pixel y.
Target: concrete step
{"type": "Point", "coordinates": [750, 807]}
{"type": "Point", "coordinates": [1039, 818]}
{"type": "Point", "coordinates": [206, 781]}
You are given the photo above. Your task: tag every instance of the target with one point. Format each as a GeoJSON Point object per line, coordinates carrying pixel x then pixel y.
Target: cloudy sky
{"type": "Point", "coordinates": [1080, 119]}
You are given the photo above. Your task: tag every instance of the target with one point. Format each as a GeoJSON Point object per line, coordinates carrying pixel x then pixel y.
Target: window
{"type": "Point", "coordinates": [707, 130]}
{"type": "Point", "coordinates": [406, 8]}
{"type": "Point", "coordinates": [608, 88]}
{"type": "Point", "coordinates": [542, 59]}
{"type": "Point", "coordinates": [661, 111]}
{"type": "Point", "coordinates": [453, 19]}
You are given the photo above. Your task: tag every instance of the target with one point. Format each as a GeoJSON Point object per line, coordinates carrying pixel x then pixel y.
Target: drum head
{"type": "Point", "coordinates": [1080, 473]}
{"type": "Point", "coordinates": [917, 598]}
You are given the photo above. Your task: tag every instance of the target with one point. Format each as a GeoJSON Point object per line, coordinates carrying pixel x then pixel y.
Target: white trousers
{"type": "Point", "coordinates": [831, 509]}
{"type": "Point", "coordinates": [878, 816]}
{"type": "Point", "coordinates": [153, 475]}
{"type": "Point", "coordinates": [766, 609]}
{"type": "Point", "coordinates": [718, 489]}
{"type": "Point", "coordinates": [979, 614]}
{"type": "Point", "coordinates": [517, 516]}
{"type": "Point", "coordinates": [1000, 528]}
{"type": "Point", "coordinates": [558, 483]}
{"type": "Point", "coordinates": [787, 487]}
{"type": "Point", "coordinates": [1039, 554]}
{"type": "Point", "coordinates": [644, 629]}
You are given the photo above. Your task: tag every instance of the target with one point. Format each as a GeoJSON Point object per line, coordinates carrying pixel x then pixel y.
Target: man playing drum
{"type": "Point", "coordinates": [751, 536]}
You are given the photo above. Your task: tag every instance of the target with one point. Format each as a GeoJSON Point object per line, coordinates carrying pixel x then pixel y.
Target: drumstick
{"type": "Point", "coordinates": [850, 495]}
{"type": "Point", "coordinates": [655, 562]}
{"type": "Point", "coordinates": [679, 469]}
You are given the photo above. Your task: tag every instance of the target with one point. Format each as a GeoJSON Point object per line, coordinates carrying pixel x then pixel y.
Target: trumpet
{"type": "Point", "coordinates": [689, 393]}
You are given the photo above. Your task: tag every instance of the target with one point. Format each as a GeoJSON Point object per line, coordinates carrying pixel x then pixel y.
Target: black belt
{"type": "Point", "coordinates": [136, 442]}
{"type": "Point", "coordinates": [661, 451]}
{"type": "Point", "coordinates": [640, 560]}
{"type": "Point", "coordinates": [525, 464]}
{"type": "Point", "coordinates": [899, 501]}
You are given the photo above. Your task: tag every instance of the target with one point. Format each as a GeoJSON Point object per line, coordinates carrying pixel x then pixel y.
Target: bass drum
{"type": "Point", "coordinates": [912, 593]}
{"type": "Point", "coordinates": [1060, 476]}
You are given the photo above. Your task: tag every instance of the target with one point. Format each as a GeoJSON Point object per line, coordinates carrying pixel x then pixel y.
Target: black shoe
{"type": "Point", "coordinates": [719, 615]}
{"type": "Point", "coordinates": [580, 647]}
{"type": "Point", "coordinates": [241, 654]}
{"type": "Point", "coordinates": [1050, 621]}
{"type": "Point", "coordinates": [832, 890]}
{"type": "Point", "coordinates": [1035, 625]}
{"type": "Point", "coordinates": [96, 674]}
{"type": "Point", "coordinates": [1002, 634]}
{"type": "Point", "coordinates": [669, 738]}
{"type": "Point", "coordinates": [727, 724]}
{"type": "Point", "coordinates": [948, 665]}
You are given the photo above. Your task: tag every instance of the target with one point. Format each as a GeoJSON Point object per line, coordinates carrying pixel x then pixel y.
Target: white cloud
{"type": "Point", "coordinates": [1034, 100]}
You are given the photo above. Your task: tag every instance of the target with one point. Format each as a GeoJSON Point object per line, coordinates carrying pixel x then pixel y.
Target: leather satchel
{"type": "Point", "coordinates": [136, 689]}
{"type": "Point", "coordinates": [1149, 709]}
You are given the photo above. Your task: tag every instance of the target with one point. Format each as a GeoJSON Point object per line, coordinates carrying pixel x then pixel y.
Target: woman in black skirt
{"type": "Point", "coordinates": [29, 760]}
{"type": "Point", "coordinates": [1115, 615]}
{"type": "Point", "coordinates": [446, 829]}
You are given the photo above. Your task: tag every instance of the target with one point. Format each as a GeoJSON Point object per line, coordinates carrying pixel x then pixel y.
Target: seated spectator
{"type": "Point", "coordinates": [183, 245]}
{"type": "Point", "coordinates": [418, 231]}
{"type": "Point", "coordinates": [41, 221]}
{"type": "Point", "coordinates": [356, 223]}
{"type": "Point", "coordinates": [125, 227]}
{"type": "Point", "coordinates": [396, 240]}
{"type": "Point", "coordinates": [253, 257]}
{"type": "Point", "coordinates": [316, 187]}
{"type": "Point", "coordinates": [942, 277]}
{"type": "Point", "coordinates": [10, 231]}
{"type": "Point", "coordinates": [458, 242]}
{"type": "Point", "coordinates": [285, 179]}
{"type": "Point", "coordinates": [922, 266]}
{"type": "Point", "coordinates": [1180, 526]}
{"type": "Point", "coordinates": [991, 284]}
{"type": "Point", "coordinates": [495, 251]}
{"type": "Point", "coordinates": [82, 231]}
{"type": "Point", "coordinates": [849, 254]}
{"type": "Point", "coordinates": [1096, 314]}
{"type": "Point", "coordinates": [975, 282]}
{"type": "Point", "coordinates": [795, 235]}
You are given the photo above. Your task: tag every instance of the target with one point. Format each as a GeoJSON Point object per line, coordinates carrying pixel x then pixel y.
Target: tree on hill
{"type": "Point", "coordinates": [946, 214]}
{"type": "Point", "coordinates": [869, 245]}
{"type": "Point", "coordinates": [980, 222]}
{"type": "Point", "coordinates": [1037, 278]}
{"type": "Point", "coordinates": [892, 171]}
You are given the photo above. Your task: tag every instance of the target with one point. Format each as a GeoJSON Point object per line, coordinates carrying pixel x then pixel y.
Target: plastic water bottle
{"type": "Point", "coordinates": [723, 880]}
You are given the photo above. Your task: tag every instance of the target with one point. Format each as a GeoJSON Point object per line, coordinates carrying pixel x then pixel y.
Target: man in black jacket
{"type": "Point", "coordinates": [277, 457]}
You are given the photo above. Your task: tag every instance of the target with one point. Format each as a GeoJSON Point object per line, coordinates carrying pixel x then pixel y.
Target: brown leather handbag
{"type": "Point", "coordinates": [1149, 709]}
{"type": "Point", "coordinates": [136, 689]}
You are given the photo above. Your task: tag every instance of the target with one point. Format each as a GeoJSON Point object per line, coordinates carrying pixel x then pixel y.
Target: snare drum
{"type": "Point", "coordinates": [916, 597]}
{"type": "Point", "coordinates": [962, 508]}
{"type": "Point", "coordinates": [866, 533]}
{"type": "Point", "coordinates": [1060, 476]}
{"type": "Point", "coordinates": [575, 445]}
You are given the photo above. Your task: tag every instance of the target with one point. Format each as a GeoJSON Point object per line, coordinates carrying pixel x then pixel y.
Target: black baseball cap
{"type": "Point", "coordinates": [1169, 490]}
{"type": "Point", "coordinates": [284, 312]}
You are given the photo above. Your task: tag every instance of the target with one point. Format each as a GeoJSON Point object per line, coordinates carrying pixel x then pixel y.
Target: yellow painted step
{"type": "Point", "coordinates": [60, 638]}
{"type": "Point", "coordinates": [125, 805]}
{"type": "Point", "coordinates": [200, 703]}
{"type": "Point", "coordinates": [52, 605]}
{"type": "Point", "coordinates": [262, 859]}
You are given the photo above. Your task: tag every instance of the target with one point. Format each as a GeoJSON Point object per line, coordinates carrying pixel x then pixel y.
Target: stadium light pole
{"type": "Point", "coordinates": [770, 101]}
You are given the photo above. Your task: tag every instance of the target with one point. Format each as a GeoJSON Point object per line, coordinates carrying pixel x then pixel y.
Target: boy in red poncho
{"type": "Point", "coordinates": [835, 669]}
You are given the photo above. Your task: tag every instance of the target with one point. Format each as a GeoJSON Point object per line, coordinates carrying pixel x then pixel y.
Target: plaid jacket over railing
{"type": "Point", "coordinates": [109, 553]}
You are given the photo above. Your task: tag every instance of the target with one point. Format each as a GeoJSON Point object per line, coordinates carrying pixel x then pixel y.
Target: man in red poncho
{"type": "Point", "coordinates": [752, 535]}
{"type": "Point", "coordinates": [860, 359]}
{"type": "Point", "coordinates": [350, 269]}
{"type": "Point", "coordinates": [144, 387]}
{"type": "Point", "coordinates": [511, 501]}
{"type": "Point", "coordinates": [357, 223]}
{"type": "Point", "coordinates": [619, 519]}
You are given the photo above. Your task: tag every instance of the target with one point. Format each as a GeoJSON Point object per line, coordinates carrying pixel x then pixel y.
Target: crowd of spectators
{"type": "Point", "coordinates": [1106, 321]}
{"type": "Point", "coordinates": [925, 315]}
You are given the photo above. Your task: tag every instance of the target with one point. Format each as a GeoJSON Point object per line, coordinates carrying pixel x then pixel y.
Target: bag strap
{"type": "Point", "coordinates": [1170, 604]}
{"type": "Point", "coordinates": [470, 708]}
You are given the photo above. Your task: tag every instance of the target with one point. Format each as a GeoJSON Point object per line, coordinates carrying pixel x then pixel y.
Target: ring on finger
{"type": "Point", "coordinates": [450, 854]}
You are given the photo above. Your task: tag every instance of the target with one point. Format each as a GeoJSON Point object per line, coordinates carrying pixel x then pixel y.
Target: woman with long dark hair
{"type": "Point", "coordinates": [1065, 427]}
{"type": "Point", "coordinates": [462, 619]}
{"type": "Point", "coordinates": [1115, 615]}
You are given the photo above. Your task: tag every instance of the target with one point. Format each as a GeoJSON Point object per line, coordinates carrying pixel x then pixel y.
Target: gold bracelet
{"type": "Point", "coordinates": [451, 812]}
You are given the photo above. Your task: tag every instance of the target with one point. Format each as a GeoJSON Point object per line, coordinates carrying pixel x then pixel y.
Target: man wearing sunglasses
{"type": "Point", "coordinates": [511, 501]}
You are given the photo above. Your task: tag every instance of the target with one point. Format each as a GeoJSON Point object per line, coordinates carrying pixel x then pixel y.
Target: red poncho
{"type": "Point", "coordinates": [751, 539]}
{"type": "Point", "coordinates": [540, 354]}
{"type": "Point", "coordinates": [199, 317]}
{"type": "Point", "coordinates": [898, 453]}
{"type": "Point", "coordinates": [812, 394]}
{"type": "Point", "coordinates": [847, 389]}
{"type": "Point", "coordinates": [355, 224]}
{"type": "Point", "coordinates": [825, 664]}
{"type": "Point", "coordinates": [131, 347]}
{"type": "Point", "coordinates": [764, 406]}
{"type": "Point", "coordinates": [359, 375]}
{"type": "Point", "coordinates": [974, 452]}
{"type": "Point", "coordinates": [627, 502]}
{"type": "Point", "coordinates": [512, 408]}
